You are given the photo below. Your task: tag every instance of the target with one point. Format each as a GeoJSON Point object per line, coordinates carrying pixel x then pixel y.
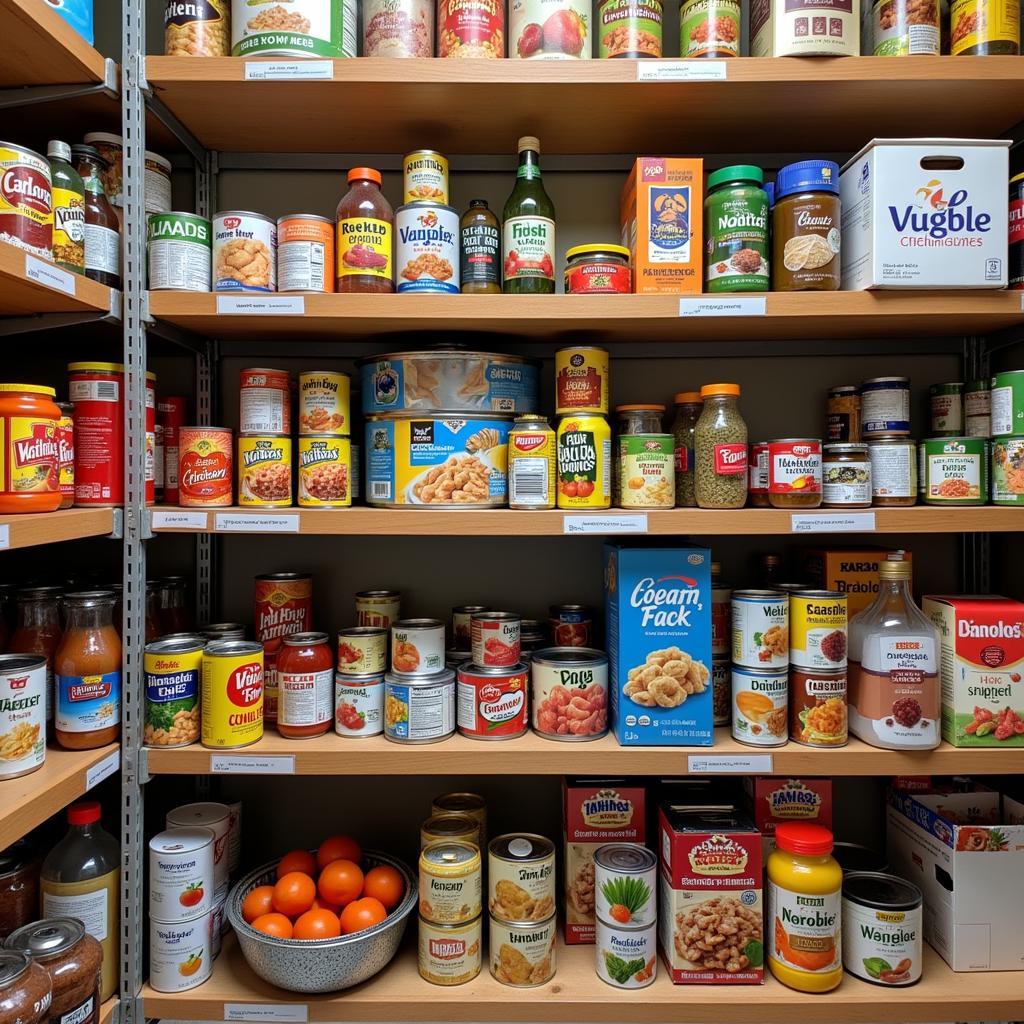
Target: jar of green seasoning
{"type": "Point", "coordinates": [688, 408]}
{"type": "Point", "coordinates": [720, 449]}
{"type": "Point", "coordinates": [736, 227]}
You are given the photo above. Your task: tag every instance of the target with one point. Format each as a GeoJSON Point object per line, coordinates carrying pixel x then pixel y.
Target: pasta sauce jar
{"type": "Point", "coordinates": [598, 270]}
{"type": "Point", "coordinates": [305, 684]}
{"type": "Point", "coordinates": [30, 457]}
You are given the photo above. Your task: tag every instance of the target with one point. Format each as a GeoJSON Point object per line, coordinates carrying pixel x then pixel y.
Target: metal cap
{"type": "Point", "coordinates": [44, 940]}
{"type": "Point", "coordinates": [13, 964]}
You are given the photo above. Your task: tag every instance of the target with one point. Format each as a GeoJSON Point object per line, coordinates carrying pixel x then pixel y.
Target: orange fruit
{"type": "Point", "coordinates": [317, 924]}
{"type": "Point", "coordinates": [297, 860]}
{"type": "Point", "coordinates": [274, 924]}
{"type": "Point", "coordinates": [259, 902]}
{"type": "Point", "coordinates": [385, 884]}
{"type": "Point", "coordinates": [338, 848]}
{"type": "Point", "coordinates": [321, 904]}
{"type": "Point", "coordinates": [360, 914]}
{"type": "Point", "coordinates": [340, 882]}
{"type": "Point", "coordinates": [294, 893]}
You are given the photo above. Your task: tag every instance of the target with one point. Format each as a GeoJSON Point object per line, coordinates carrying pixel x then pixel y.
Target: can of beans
{"type": "Point", "coordinates": [325, 404]}
{"type": "Point", "coordinates": [571, 625]}
{"type": "Point", "coordinates": [451, 885]}
{"type": "Point", "coordinates": [96, 391]}
{"type": "Point", "coordinates": [324, 471]}
{"type": "Point", "coordinates": [495, 639]}
{"type": "Point", "coordinates": [955, 470]}
{"type": "Point", "coordinates": [760, 629]}
{"type": "Point", "coordinates": [462, 630]}
{"type": "Point", "coordinates": [232, 694]}
{"type": "Point", "coordinates": [264, 471]}
{"type": "Point", "coordinates": [521, 877]}
{"type": "Point", "coordinates": [217, 818]}
{"type": "Point", "coordinates": [817, 629]}
{"type": "Point", "coordinates": [419, 709]}
{"type": "Point", "coordinates": [417, 647]}
{"type": "Point", "coordinates": [817, 707]}
{"type": "Point", "coordinates": [264, 401]}
{"type": "Point", "coordinates": [491, 702]}
{"type": "Point", "coordinates": [172, 668]}
{"type": "Point", "coordinates": [23, 690]}
{"type": "Point", "coordinates": [359, 704]}
{"type": "Point", "coordinates": [206, 467]}
{"type": "Point", "coordinates": [378, 607]}
{"type": "Point", "coordinates": [760, 707]}
{"type": "Point", "coordinates": [362, 650]}
{"type": "Point", "coordinates": [181, 878]}
{"type": "Point", "coordinates": [425, 175]}
{"type": "Point", "coordinates": [569, 693]}
{"type": "Point", "coordinates": [305, 253]}
{"type": "Point", "coordinates": [626, 884]}
{"type": "Point", "coordinates": [581, 380]}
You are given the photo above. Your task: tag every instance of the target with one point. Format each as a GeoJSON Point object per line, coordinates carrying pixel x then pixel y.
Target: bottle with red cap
{"type": "Point", "coordinates": [80, 878]}
{"type": "Point", "coordinates": [804, 899]}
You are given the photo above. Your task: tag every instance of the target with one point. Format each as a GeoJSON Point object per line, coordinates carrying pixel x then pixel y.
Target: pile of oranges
{"type": "Point", "coordinates": [324, 896]}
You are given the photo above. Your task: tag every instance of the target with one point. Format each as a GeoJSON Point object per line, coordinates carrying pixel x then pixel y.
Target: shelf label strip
{"type": "Point", "coordinates": [235, 522]}
{"type": "Point", "coordinates": [46, 273]}
{"type": "Point", "coordinates": [736, 305]}
{"type": "Point", "coordinates": [842, 522]}
{"type": "Point", "coordinates": [261, 305]}
{"type": "Point", "coordinates": [168, 519]}
{"type": "Point", "coordinates": [5, 536]}
{"type": "Point", "coordinates": [295, 70]}
{"type": "Point", "coordinates": [294, 1013]}
{"type": "Point", "coordinates": [681, 71]}
{"type": "Point", "coordinates": [742, 764]}
{"type": "Point", "coordinates": [605, 524]}
{"type": "Point", "coordinates": [253, 764]}
{"type": "Point", "coordinates": [102, 769]}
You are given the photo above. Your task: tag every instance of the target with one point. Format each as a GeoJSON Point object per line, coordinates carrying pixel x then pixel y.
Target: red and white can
{"type": "Point", "coordinates": [150, 437]}
{"type": "Point", "coordinates": [378, 608]}
{"type": "Point", "coordinates": [471, 28]}
{"type": "Point", "coordinates": [572, 625]}
{"type": "Point", "coordinates": [97, 392]}
{"type": "Point", "coordinates": [491, 703]}
{"type": "Point", "coordinates": [283, 606]}
{"type": "Point", "coordinates": [494, 638]}
{"type": "Point", "coordinates": [170, 418]}
{"type": "Point", "coordinates": [359, 705]}
{"type": "Point", "coordinates": [462, 624]}
{"type": "Point", "coordinates": [264, 401]}
{"type": "Point", "coordinates": [66, 454]}
{"type": "Point", "coordinates": [794, 466]}
{"type": "Point", "coordinates": [757, 473]}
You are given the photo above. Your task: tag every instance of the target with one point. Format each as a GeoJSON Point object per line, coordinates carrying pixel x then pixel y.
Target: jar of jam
{"type": "Point", "coordinates": [25, 989]}
{"type": "Point", "coordinates": [19, 887]}
{"type": "Point", "coordinates": [598, 270]}
{"type": "Point", "coordinates": [305, 680]}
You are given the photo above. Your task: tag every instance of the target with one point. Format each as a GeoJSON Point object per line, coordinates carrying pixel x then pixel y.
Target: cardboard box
{"type": "Point", "coordinates": [661, 215]}
{"type": "Point", "coordinates": [770, 801]}
{"type": "Point", "coordinates": [595, 812]}
{"type": "Point", "coordinates": [658, 619]}
{"type": "Point", "coordinates": [925, 213]}
{"type": "Point", "coordinates": [981, 666]}
{"type": "Point", "coordinates": [851, 571]}
{"type": "Point", "coordinates": [970, 875]}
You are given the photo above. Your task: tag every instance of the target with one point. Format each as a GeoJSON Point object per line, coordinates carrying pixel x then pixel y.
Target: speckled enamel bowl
{"type": "Point", "coordinates": [321, 965]}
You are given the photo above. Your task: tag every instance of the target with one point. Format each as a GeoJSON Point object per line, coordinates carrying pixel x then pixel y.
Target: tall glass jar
{"type": "Point", "coordinates": [39, 632]}
{"type": "Point", "coordinates": [720, 440]}
{"type": "Point", "coordinates": [688, 408]}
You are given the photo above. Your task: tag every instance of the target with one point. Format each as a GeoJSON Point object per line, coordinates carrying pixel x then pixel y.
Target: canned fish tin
{"type": "Point", "coordinates": [531, 463]}
{"type": "Point", "coordinates": [491, 702]}
{"type": "Point", "coordinates": [172, 668]}
{"type": "Point", "coordinates": [417, 647]}
{"type": "Point", "coordinates": [244, 252]}
{"type": "Point", "coordinates": [378, 608]}
{"type": "Point", "coordinates": [419, 709]}
{"type": "Point", "coordinates": [494, 638]}
{"type": "Point", "coordinates": [521, 877]}
{"type": "Point", "coordinates": [264, 401]}
{"type": "Point", "coordinates": [581, 380]}
{"type": "Point", "coordinates": [946, 402]}
{"type": "Point", "coordinates": [359, 704]}
{"type": "Point", "coordinates": [180, 954]}
{"type": "Point", "coordinates": [817, 629]}
{"type": "Point", "coordinates": [647, 472]}
{"type": "Point", "coordinates": [181, 881]}
{"type": "Point", "coordinates": [471, 804]}
{"type": "Point", "coordinates": [523, 954]}
{"type": "Point", "coordinates": [885, 406]}
{"type": "Point", "coordinates": [325, 405]}
{"type": "Point", "coordinates": [305, 253]}
{"type": "Point", "coordinates": [26, 200]}
{"type": "Point", "coordinates": [894, 470]}
{"type": "Point", "coordinates": [232, 694]}
{"type": "Point", "coordinates": [626, 957]}
{"type": "Point", "coordinates": [462, 630]}
{"type": "Point", "coordinates": [721, 691]}
{"type": "Point", "coordinates": [978, 409]}
{"type": "Point", "coordinates": [571, 625]}
{"type": "Point", "coordinates": [362, 650]}
{"type": "Point", "coordinates": [325, 471]}
{"type": "Point", "coordinates": [427, 249]}
{"type": "Point", "coordinates": [760, 629]}
{"type": "Point", "coordinates": [817, 707]}
{"type": "Point", "coordinates": [760, 707]}
{"type": "Point", "coordinates": [450, 882]}
{"type": "Point", "coordinates": [1008, 471]}
{"type": "Point", "coordinates": [215, 817]}
{"type": "Point", "coordinates": [626, 885]}
{"type": "Point", "coordinates": [882, 929]}
{"type": "Point", "coordinates": [955, 471]}
{"type": "Point", "coordinates": [425, 177]}
{"type": "Point", "coordinates": [442, 828]}
{"type": "Point", "coordinates": [180, 250]}
{"type": "Point", "coordinates": [264, 471]}
{"type": "Point", "coordinates": [569, 693]}
{"type": "Point", "coordinates": [1007, 403]}
{"type": "Point", "coordinates": [23, 679]}
{"type": "Point", "coordinates": [450, 954]}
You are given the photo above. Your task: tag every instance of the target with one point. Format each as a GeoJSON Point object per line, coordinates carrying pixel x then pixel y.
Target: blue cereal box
{"type": "Point", "coordinates": [658, 614]}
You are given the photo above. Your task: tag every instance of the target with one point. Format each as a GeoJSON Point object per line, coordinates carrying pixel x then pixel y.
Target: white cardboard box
{"type": "Point", "coordinates": [925, 213]}
{"type": "Point", "coordinates": [973, 899]}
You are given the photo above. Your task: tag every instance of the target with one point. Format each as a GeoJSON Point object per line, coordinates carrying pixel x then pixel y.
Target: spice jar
{"type": "Point", "coordinates": [305, 679]}
{"type": "Point", "coordinates": [736, 226]}
{"type": "Point", "coordinates": [598, 270]}
{"type": "Point", "coordinates": [19, 887]}
{"type": "Point", "coordinates": [794, 472]}
{"type": "Point", "coordinates": [688, 408]}
{"type": "Point", "coordinates": [25, 989]}
{"type": "Point", "coordinates": [757, 477]}
{"type": "Point", "coordinates": [806, 228]}
{"type": "Point", "coordinates": [720, 449]}
{"type": "Point", "coordinates": [846, 476]}
{"type": "Point", "coordinates": [639, 419]}
{"type": "Point", "coordinates": [842, 414]}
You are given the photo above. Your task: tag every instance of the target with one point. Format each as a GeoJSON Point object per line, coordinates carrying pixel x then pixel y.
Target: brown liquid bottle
{"type": "Point", "coordinates": [365, 223]}
{"type": "Point", "coordinates": [480, 250]}
{"type": "Point", "coordinates": [102, 228]}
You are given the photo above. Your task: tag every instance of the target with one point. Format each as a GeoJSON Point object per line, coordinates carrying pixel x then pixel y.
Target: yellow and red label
{"type": "Point", "coordinates": [205, 466]}
{"type": "Point", "coordinates": [31, 455]}
{"type": "Point", "coordinates": [232, 699]}
{"type": "Point", "coordinates": [265, 471]}
{"type": "Point", "coordinates": [365, 247]}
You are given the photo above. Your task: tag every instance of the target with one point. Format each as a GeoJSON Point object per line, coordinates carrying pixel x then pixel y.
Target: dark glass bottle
{"type": "Point", "coordinates": [480, 248]}
{"type": "Point", "coordinates": [102, 228]}
{"type": "Point", "coordinates": [528, 233]}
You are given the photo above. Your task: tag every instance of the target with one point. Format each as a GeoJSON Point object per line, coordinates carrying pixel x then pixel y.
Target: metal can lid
{"type": "Point", "coordinates": [305, 639]}
{"type": "Point", "coordinates": [446, 675]}
{"type": "Point", "coordinates": [181, 643]}
{"type": "Point", "coordinates": [185, 839]}
{"type": "Point", "coordinates": [231, 648]}
{"type": "Point", "coordinates": [417, 624]}
{"type": "Point", "coordinates": [571, 655]}
{"type": "Point", "coordinates": [881, 891]}
{"type": "Point", "coordinates": [625, 858]}
{"type": "Point", "coordinates": [13, 964]}
{"type": "Point", "coordinates": [363, 631]}
{"type": "Point", "coordinates": [450, 855]}
{"type": "Point", "coordinates": [44, 940]}
{"type": "Point", "coordinates": [521, 847]}
{"type": "Point", "coordinates": [207, 813]}
{"type": "Point", "coordinates": [21, 662]}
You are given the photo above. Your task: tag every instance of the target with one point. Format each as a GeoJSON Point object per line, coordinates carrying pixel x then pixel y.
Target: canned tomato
{"type": "Point", "coordinates": [181, 879]}
{"type": "Point", "coordinates": [362, 650]}
{"type": "Point", "coordinates": [794, 472]}
{"type": "Point", "coordinates": [647, 471]}
{"type": "Point", "coordinates": [955, 471]}
{"type": "Point", "coordinates": [817, 629]}
{"type": "Point", "coordinates": [817, 707]}
{"type": "Point", "coordinates": [632, 950]}
{"type": "Point", "coordinates": [598, 269]}
{"type": "Point", "coordinates": [449, 954]}
{"type": "Point", "coordinates": [244, 252]}
{"type": "Point", "coordinates": [170, 418]}
{"type": "Point", "coordinates": [23, 690]}
{"type": "Point", "coordinates": [462, 631]}
{"type": "Point", "coordinates": [181, 953]}
{"type": "Point", "coordinates": [325, 402]}
{"type": "Point", "coordinates": [66, 454]}
{"type": "Point", "coordinates": [324, 471]}
{"type": "Point", "coordinates": [450, 882]}
{"type": "Point", "coordinates": [569, 693]}
{"type": "Point", "coordinates": [760, 706]}
{"type": "Point", "coordinates": [419, 709]}
{"type": "Point", "coordinates": [172, 668]}
{"type": "Point", "coordinates": [721, 691]}
{"type": "Point", "coordinates": [427, 248]}
{"type": "Point", "coordinates": [471, 804]}
{"type": "Point", "coordinates": [531, 463]}
{"type": "Point", "coordinates": [581, 380]}
{"type": "Point", "coordinates": [626, 884]}
{"type": "Point", "coordinates": [491, 702]}
{"type": "Point", "coordinates": [264, 471]}
{"type": "Point", "coordinates": [885, 406]}
{"type": "Point", "coordinates": [757, 475]}
{"type": "Point", "coordinates": [1006, 403]}
{"type": "Point", "coordinates": [495, 639]}
{"type": "Point", "coordinates": [521, 877]}
{"type": "Point", "coordinates": [305, 253]}
{"type": "Point", "coordinates": [378, 608]}
{"type": "Point", "coordinates": [523, 953]}
{"type": "Point", "coordinates": [760, 629]}
{"type": "Point", "coordinates": [217, 818]}
{"type": "Point", "coordinates": [96, 391]}
{"type": "Point", "coordinates": [206, 467]}
{"type": "Point", "coordinates": [439, 828]}
{"type": "Point", "coordinates": [264, 401]}
{"type": "Point", "coordinates": [946, 403]}
{"type": "Point", "coordinates": [584, 448]}
{"type": "Point", "coordinates": [359, 704]}
{"type": "Point", "coordinates": [425, 176]}
{"type": "Point", "coordinates": [232, 694]}
{"type": "Point", "coordinates": [470, 28]}
{"type": "Point", "coordinates": [531, 35]}
{"type": "Point", "coordinates": [305, 686]}
{"type": "Point", "coordinates": [571, 625]}
{"type": "Point", "coordinates": [417, 646]}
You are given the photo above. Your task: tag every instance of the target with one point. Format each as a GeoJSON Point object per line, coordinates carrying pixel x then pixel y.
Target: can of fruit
{"type": "Point", "coordinates": [531, 463]}
{"type": "Point", "coordinates": [491, 702]}
{"type": "Point", "coordinates": [172, 669]}
{"type": "Point", "coordinates": [449, 954]}
{"type": "Point", "coordinates": [494, 639]}
{"type": "Point", "coordinates": [181, 953]}
{"type": "Point", "coordinates": [451, 886]}
{"type": "Point", "coordinates": [625, 885]}
{"type": "Point", "coordinates": [181, 883]}
{"type": "Point", "coordinates": [419, 709]}
{"type": "Point", "coordinates": [359, 704]}
{"type": "Point", "coordinates": [571, 625]}
{"type": "Point", "coordinates": [581, 380]}
{"type": "Point", "coordinates": [549, 29]}
{"type": "Point", "coordinates": [559, 675]}
{"type": "Point", "coordinates": [232, 695]}
{"type": "Point", "coordinates": [378, 607]}
{"type": "Point", "coordinates": [362, 650]}
{"type": "Point", "coordinates": [417, 646]}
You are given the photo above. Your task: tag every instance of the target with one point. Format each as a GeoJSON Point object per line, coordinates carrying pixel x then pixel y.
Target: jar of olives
{"type": "Point", "coordinates": [720, 440]}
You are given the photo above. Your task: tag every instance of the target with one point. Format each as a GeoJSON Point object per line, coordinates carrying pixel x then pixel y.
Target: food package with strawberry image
{"type": "Point", "coordinates": [549, 29]}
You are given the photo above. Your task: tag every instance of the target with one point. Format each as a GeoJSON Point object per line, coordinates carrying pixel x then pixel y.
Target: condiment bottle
{"type": "Point", "coordinates": [365, 235]}
{"type": "Point", "coordinates": [806, 228]}
{"type": "Point", "coordinates": [102, 227]}
{"type": "Point", "coordinates": [480, 250]}
{"type": "Point", "coordinates": [305, 680]}
{"type": "Point", "coordinates": [720, 440]}
{"type": "Point", "coordinates": [68, 209]}
{"type": "Point", "coordinates": [39, 632]}
{"type": "Point", "coordinates": [80, 878]}
{"type": "Point", "coordinates": [688, 409]}
{"type": "Point", "coordinates": [528, 232]}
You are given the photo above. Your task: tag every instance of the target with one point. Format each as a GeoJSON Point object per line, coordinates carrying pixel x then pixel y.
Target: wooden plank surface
{"type": "Point", "coordinates": [41, 48]}
{"type": "Point", "coordinates": [26, 531]}
{"type": "Point", "coordinates": [21, 295]}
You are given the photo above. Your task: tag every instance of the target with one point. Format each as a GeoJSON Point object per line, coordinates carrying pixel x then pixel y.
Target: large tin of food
{"type": "Point", "coordinates": [955, 470]}
{"type": "Point", "coordinates": [232, 694]}
{"type": "Point", "coordinates": [26, 199]}
{"type": "Point", "coordinates": [298, 28]}
{"type": "Point", "coordinates": [22, 714]}
{"type": "Point", "coordinates": [1006, 403]}
{"type": "Point", "coordinates": [427, 249]}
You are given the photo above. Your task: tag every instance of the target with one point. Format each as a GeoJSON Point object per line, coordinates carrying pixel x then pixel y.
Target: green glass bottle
{"type": "Point", "coordinates": [528, 232]}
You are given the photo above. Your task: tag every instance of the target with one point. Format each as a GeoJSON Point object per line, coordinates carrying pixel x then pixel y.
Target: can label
{"type": "Point", "coordinates": [205, 466]}
{"type": "Point", "coordinates": [282, 607]}
{"type": "Point", "coordinates": [23, 699]}
{"type": "Point", "coordinates": [325, 403]}
{"type": "Point", "coordinates": [264, 402]}
{"type": "Point", "coordinates": [364, 248]}
{"type": "Point", "coordinates": [180, 252]}
{"type": "Point", "coordinates": [902, 30]}
{"type": "Point", "coordinates": [305, 255]}
{"type": "Point", "coordinates": [305, 698]}
{"type": "Point", "coordinates": [523, 955]}
{"type": "Point", "coordinates": [492, 705]}
{"type": "Point", "coordinates": [956, 471]}
{"type": "Point", "coordinates": [760, 631]}
{"type": "Point", "coordinates": [626, 957]}
{"type": "Point", "coordinates": [417, 650]}
{"type": "Point", "coordinates": [1008, 471]}
{"type": "Point", "coordinates": [647, 477]}
{"type": "Point", "coordinates": [359, 704]}
{"type": "Point", "coordinates": [420, 713]}
{"type": "Point", "coordinates": [181, 875]}
{"type": "Point", "coordinates": [569, 700]}
{"type": "Point", "coordinates": [26, 200]}
{"type": "Point", "coordinates": [265, 472]}
{"type": "Point", "coordinates": [324, 472]}
{"type": "Point", "coordinates": [98, 398]}
{"type": "Point", "coordinates": [893, 470]}
{"type": "Point", "coordinates": [449, 954]}
{"type": "Point", "coordinates": [599, 278]}
{"type": "Point", "coordinates": [172, 698]}
{"type": "Point", "coordinates": [584, 462]}
{"type": "Point", "coordinates": [232, 700]}
{"type": "Point", "coordinates": [975, 24]}
{"type": "Point", "coordinates": [379, 610]}
{"type": "Point", "coordinates": [581, 380]}
{"type": "Point", "coordinates": [531, 468]}
{"type": "Point", "coordinates": [721, 621]}
{"type": "Point", "coordinates": [549, 29]}
{"type": "Point", "coordinates": [181, 954]}
{"type": "Point", "coordinates": [244, 253]}
{"type": "Point", "coordinates": [817, 630]}
{"type": "Point", "coordinates": [709, 28]}
{"type": "Point", "coordinates": [721, 692]}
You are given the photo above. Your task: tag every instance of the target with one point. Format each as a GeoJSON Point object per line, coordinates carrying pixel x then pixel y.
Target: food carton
{"type": "Point", "coordinates": [851, 571]}
{"type": "Point", "coordinates": [661, 215]}
{"type": "Point", "coordinates": [925, 213]}
{"type": "Point", "coordinates": [658, 616]}
{"type": "Point", "coordinates": [596, 811]}
{"type": "Point", "coordinates": [710, 921]}
{"type": "Point", "coordinates": [969, 875]}
{"type": "Point", "coordinates": [771, 801]}
{"type": "Point", "coordinates": [981, 664]}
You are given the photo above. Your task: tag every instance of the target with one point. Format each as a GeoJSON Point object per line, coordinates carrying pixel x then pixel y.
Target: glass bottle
{"type": "Point", "coordinates": [480, 249]}
{"type": "Point", "coordinates": [39, 632]}
{"type": "Point", "coordinates": [365, 224]}
{"type": "Point", "coordinates": [528, 232]}
{"type": "Point", "coordinates": [771, 570]}
{"type": "Point", "coordinates": [894, 687]}
{"type": "Point", "coordinates": [173, 615]}
{"type": "Point", "coordinates": [102, 228]}
{"type": "Point", "coordinates": [720, 449]}
{"type": "Point", "coordinates": [80, 878]}
{"type": "Point", "coordinates": [68, 209]}
{"type": "Point", "coordinates": [688, 408]}
{"type": "Point", "coordinates": [152, 626]}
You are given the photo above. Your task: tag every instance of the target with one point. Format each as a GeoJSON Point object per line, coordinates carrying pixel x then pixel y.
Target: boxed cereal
{"type": "Point", "coordinates": [596, 811]}
{"type": "Point", "coordinates": [661, 215]}
{"type": "Point", "coordinates": [981, 664]}
{"type": "Point", "coordinates": [771, 801]}
{"type": "Point", "coordinates": [710, 925]}
{"type": "Point", "coordinates": [851, 571]}
{"type": "Point", "coordinates": [658, 619]}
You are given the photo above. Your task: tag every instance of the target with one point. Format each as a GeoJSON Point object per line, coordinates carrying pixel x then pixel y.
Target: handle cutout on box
{"type": "Point", "coordinates": [942, 163]}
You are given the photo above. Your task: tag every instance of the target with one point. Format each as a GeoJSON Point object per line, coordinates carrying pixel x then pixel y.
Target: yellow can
{"type": "Point", "coordinates": [450, 882]}
{"type": "Point", "coordinates": [325, 471]}
{"type": "Point", "coordinates": [264, 470]}
{"type": "Point", "coordinates": [581, 380]}
{"type": "Point", "coordinates": [449, 954]}
{"type": "Point", "coordinates": [325, 402]}
{"type": "Point", "coordinates": [817, 629]}
{"type": "Point", "coordinates": [439, 828]}
{"type": "Point", "coordinates": [584, 462]}
{"type": "Point", "coordinates": [473, 805]}
{"type": "Point", "coordinates": [425, 177]}
{"type": "Point", "coordinates": [232, 698]}
{"type": "Point", "coordinates": [531, 463]}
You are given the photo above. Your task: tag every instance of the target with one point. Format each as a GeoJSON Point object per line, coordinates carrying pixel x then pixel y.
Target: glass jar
{"type": "Point", "coordinates": [39, 631]}
{"type": "Point", "coordinates": [720, 449]}
{"type": "Point", "coordinates": [688, 407]}
{"type": "Point", "coordinates": [757, 483]}
{"type": "Point", "coordinates": [736, 228]}
{"type": "Point", "coordinates": [842, 414]}
{"type": "Point", "coordinates": [639, 419]}
{"type": "Point", "coordinates": [29, 420]}
{"type": "Point", "coordinates": [365, 223]}
{"type": "Point", "coordinates": [305, 681]}
{"type": "Point", "coordinates": [894, 471]}
{"type": "Point", "coordinates": [174, 615]}
{"type": "Point", "coordinates": [846, 476]}
{"type": "Point", "coordinates": [19, 887]}
{"type": "Point", "coordinates": [794, 472]}
{"type": "Point", "coordinates": [25, 989]}
{"type": "Point", "coordinates": [598, 270]}
{"type": "Point", "coordinates": [806, 228]}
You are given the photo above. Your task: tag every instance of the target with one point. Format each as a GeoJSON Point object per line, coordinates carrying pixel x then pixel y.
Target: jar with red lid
{"type": "Point", "coordinates": [97, 393]}
{"type": "Point", "coordinates": [305, 681]}
{"type": "Point", "coordinates": [30, 452]}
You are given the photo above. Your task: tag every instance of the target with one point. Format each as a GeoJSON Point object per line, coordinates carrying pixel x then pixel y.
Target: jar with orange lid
{"type": "Point", "coordinates": [720, 449]}
{"type": "Point", "coordinates": [30, 455]}
{"type": "Point", "coordinates": [688, 409]}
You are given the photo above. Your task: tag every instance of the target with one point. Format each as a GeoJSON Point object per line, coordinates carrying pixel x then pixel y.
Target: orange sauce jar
{"type": "Point", "coordinates": [305, 684]}
{"type": "Point", "coordinates": [29, 449]}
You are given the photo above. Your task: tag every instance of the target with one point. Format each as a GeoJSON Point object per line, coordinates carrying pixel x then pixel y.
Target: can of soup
{"type": "Point", "coordinates": [491, 702]}
{"type": "Point", "coordinates": [419, 709]}
{"type": "Point", "coordinates": [417, 646]}
{"type": "Point", "coordinates": [232, 701]}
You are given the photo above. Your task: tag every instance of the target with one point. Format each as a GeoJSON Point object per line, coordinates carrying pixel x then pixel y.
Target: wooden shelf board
{"type": "Point", "coordinates": [594, 106]}
{"type": "Point", "coordinates": [109, 1009]}
{"type": "Point", "coordinates": [41, 48]}
{"type": "Point", "coordinates": [576, 994]}
{"type": "Point", "coordinates": [29, 800]}
{"type": "Point", "coordinates": [20, 295]}
{"type": "Point", "coordinates": [26, 531]}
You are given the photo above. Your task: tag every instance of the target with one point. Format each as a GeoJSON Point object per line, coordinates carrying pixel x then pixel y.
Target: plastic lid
{"type": "Point", "coordinates": [530, 142]}
{"type": "Point", "coordinates": [96, 367]}
{"type": "Point", "coordinates": [84, 813]}
{"type": "Point", "coordinates": [709, 390]}
{"type": "Point", "coordinates": [364, 174]}
{"type": "Point", "coordinates": [59, 149]}
{"type": "Point", "coordinates": [32, 389]}
{"type": "Point", "coordinates": [737, 172]}
{"type": "Point", "coordinates": [804, 838]}
{"type": "Point", "coordinates": [686, 397]}
{"type": "Point", "coordinates": [807, 176]}
{"type": "Point", "coordinates": [80, 151]}
{"type": "Point", "coordinates": [644, 407]}
{"type": "Point", "coordinates": [580, 250]}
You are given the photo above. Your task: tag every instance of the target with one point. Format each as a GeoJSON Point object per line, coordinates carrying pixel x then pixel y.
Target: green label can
{"type": "Point", "coordinates": [947, 409]}
{"type": "Point", "coordinates": [1008, 403]}
{"type": "Point", "coordinates": [902, 29]}
{"type": "Point", "coordinates": [736, 226]}
{"type": "Point", "coordinates": [709, 28]}
{"type": "Point", "coordinates": [978, 409]}
{"type": "Point", "coordinates": [1008, 471]}
{"type": "Point", "coordinates": [956, 471]}
{"type": "Point", "coordinates": [647, 471]}
{"type": "Point", "coordinates": [629, 28]}
{"type": "Point", "coordinates": [180, 252]}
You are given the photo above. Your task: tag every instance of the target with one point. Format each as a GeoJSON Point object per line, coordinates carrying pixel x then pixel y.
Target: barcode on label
{"type": "Point", "coordinates": [380, 489]}
{"type": "Point", "coordinates": [529, 484]}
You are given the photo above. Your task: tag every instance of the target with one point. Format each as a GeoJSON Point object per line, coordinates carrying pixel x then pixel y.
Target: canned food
{"type": "Point", "coordinates": [378, 608]}
{"type": "Point", "coordinates": [283, 604]}
{"type": "Point", "coordinates": [425, 177]}
{"type": "Point", "coordinates": [417, 646]}
{"type": "Point", "coordinates": [264, 401]}
{"type": "Point", "coordinates": [846, 476]}
{"type": "Point", "coordinates": [439, 828]}
{"type": "Point", "coordinates": [471, 804]}
{"type": "Point", "coordinates": [362, 650]}
{"type": "Point", "coordinates": [492, 701]}
{"type": "Point", "coordinates": [760, 707]}
{"type": "Point", "coordinates": [244, 252]}
{"type": "Point", "coordinates": [300, 28]}
{"type": "Point", "coordinates": [26, 200]}
{"type": "Point", "coordinates": [817, 707]}
{"type": "Point", "coordinates": [180, 250]}
{"type": "Point", "coordinates": [181, 881]}
{"type": "Point", "coordinates": [626, 957]}
{"type": "Point", "coordinates": [97, 392]}
{"type": "Point", "coordinates": [23, 695]}
{"type": "Point", "coordinates": [264, 471]}
{"type": "Point", "coordinates": [571, 625]}
{"type": "Point", "coordinates": [626, 885]}
{"type": "Point", "coordinates": [584, 448]}
{"type": "Point", "coordinates": [180, 954]}
{"type": "Point", "coordinates": [222, 631]}
{"type": "Point", "coordinates": [721, 619]}
{"type": "Point", "coordinates": [325, 402]}
{"type": "Point", "coordinates": [946, 402]}
{"type": "Point", "coordinates": [471, 28]}
{"type": "Point", "coordinates": [305, 682]}
{"type": "Point", "coordinates": [232, 694]}
{"type": "Point", "coordinates": [157, 173]}
{"type": "Point", "coordinates": [894, 470]}
{"type": "Point", "coordinates": [569, 693]}
{"type": "Point", "coordinates": [449, 954]}
{"type": "Point", "coordinates": [531, 463]}
{"type": "Point", "coordinates": [760, 629]}
{"type": "Point", "coordinates": [885, 406]}
{"type": "Point", "coordinates": [882, 929]}
{"type": "Point", "coordinates": [757, 475]}
{"type": "Point", "coordinates": [581, 380]}
{"type": "Point", "coordinates": [978, 408]}
{"type": "Point", "coordinates": [521, 877]}
{"type": "Point", "coordinates": [817, 629]}
{"type": "Point", "coordinates": [172, 668]}
{"type": "Point", "coordinates": [647, 471]}
{"type": "Point", "coordinates": [217, 818]}
{"type": "Point", "coordinates": [462, 630]}
{"type": "Point", "coordinates": [794, 472]}
{"type": "Point", "coordinates": [170, 413]}
{"type": "Point", "coordinates": [523, 954]}
{"type": "Point", "coordinates": [419, 709]}
{"type": "Point", "coordinates": [149, 468]}
{"type": "Point", "coordinates": [596, 269]}
{"type": "Point", "coordinates": [206, 470]}
{"type": "Point", "coordinates": [305, 253]}
{"type": "Point", "coordinates": [324, 471]}
{"type": "Point", "coordinates": [427, 249]}
{"type": "Point", "coordinates": [721, 691]}
{"type": "Point", "coordinates": [1007, 403]}
{"type": "Point", "coordinates": [450, 882]}
{"type": "Point", "coordinates": [359, 704]}
{"type": "Point", "coordinates": [495, 639]}
{"type": "Point", "coordinates": [1008, 471]}
{"type": "Point", "coordinates": [66, 454]}
{"type": "Point", "coordinates": [955, 471]}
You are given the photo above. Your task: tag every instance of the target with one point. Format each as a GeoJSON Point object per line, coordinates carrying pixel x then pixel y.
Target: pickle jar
{"type": "Point", "coordinates": [688, 408]}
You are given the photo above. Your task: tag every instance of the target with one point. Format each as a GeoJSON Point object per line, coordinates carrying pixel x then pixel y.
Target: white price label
{"type": "Point", "coordinates": [294, 1013]}
{"type": "Point", "coordinates": [839, 522]}
{"type": "Point", "coordinates": [605, 524]}
{"type": "Point", "coordinates": [680, 70]}
{"type": "Point", "coordinates": [239, 522]}
{"type": "Point", "coordinates": [46, 273]}
{"type": "Point", "coordinates": [5, 536]}
{"type": "Point", "coordinates": [699, 764]}
{"type": "Point", "coordinates": [292, 70]}
{"type": "Point", "coordinates": [172, 519]}
{"type": "Point", "coordinates": [261, 305]}
{"type": "Point", "coordinates": [241, 764]}
{"type": "Point", "coordinates": [102, 769]}
{"type": "Point", "coordinates": [735, 305]}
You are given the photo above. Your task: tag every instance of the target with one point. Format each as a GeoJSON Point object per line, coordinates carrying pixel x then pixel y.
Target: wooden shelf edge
{"type": "Point", "coordinates": [109, 1009]}
{"type": "Point", "coordinates": [56, 37]}
{"type": "Point", "coordinates": [21, 295]}
{"type": "Point", "coordinates": [34, 529]}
